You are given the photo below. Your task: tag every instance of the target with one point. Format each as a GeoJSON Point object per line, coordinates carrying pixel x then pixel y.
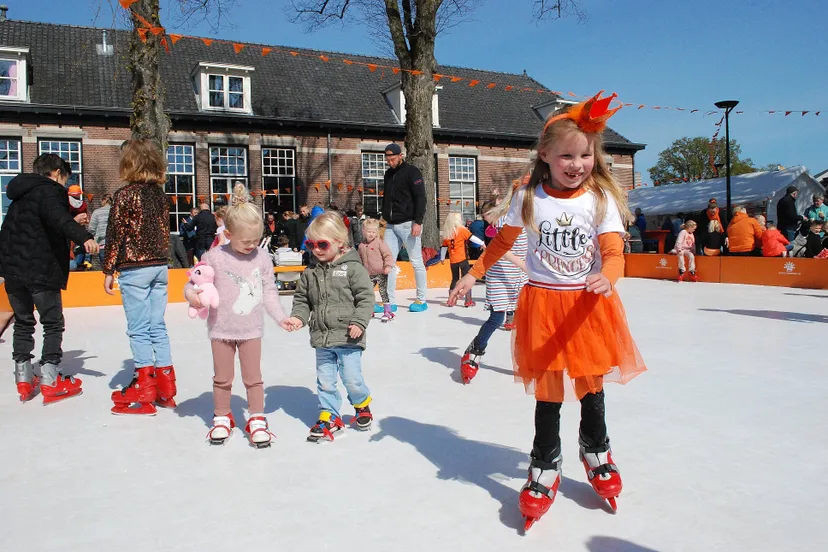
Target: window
{"type": "Point", "coordinates": [228, 165]}
{"type": "Point", "coordinates": [373, 174]}
{"type": "Point", "coordinates": [9, 168]}
{"type": "Point", "coordinates": [69, 150]}
{"type": "Point", "coordinates": [279, 177]}
{"type": "Point", "coordinates": [13, 84]}
{"type": "Point", "coordinates": [180, 187]}
{"type": "Point", "coordinates": [223, 87]}
{"type": "Point", "coordinates": [226, 92]}
{"type": "Point", "coordinates": [462, 186]}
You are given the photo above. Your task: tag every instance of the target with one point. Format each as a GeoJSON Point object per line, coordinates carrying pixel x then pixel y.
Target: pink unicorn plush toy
{"type": "Point", "coordinates": [202, 276]}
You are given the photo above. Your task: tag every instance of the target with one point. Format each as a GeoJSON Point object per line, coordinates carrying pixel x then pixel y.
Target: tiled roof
{"type": "Point", "coordinates": [66, 70]}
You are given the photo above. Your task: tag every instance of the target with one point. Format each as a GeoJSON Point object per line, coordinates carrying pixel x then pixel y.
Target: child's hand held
{"type": "Point", "coordinates": [192, 297]}
{"type": "Point", "coordinates": [354, 331]}
{"type": "Point", "coordinates": [599, 285]}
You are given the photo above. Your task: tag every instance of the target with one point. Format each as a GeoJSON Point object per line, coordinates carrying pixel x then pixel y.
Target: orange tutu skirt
{"type": "Point", "coordinates": [569, 343]}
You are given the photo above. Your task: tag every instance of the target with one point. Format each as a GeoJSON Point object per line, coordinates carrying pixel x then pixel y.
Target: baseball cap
{"type": "Point", "coordinates": [75, 190]}
{"type": "Point", "coordinates": [393, 149]}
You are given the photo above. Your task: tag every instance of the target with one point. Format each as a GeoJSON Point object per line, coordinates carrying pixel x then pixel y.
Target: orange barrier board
{"type": "Point", "coordinates": [665, 267]}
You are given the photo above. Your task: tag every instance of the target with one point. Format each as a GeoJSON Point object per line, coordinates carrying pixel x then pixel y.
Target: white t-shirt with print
{"type": "Point", "coordinates": [566, 251]}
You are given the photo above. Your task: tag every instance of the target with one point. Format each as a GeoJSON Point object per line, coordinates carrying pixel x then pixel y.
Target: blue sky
{"type": "Point", "coordinates": [768, 54]}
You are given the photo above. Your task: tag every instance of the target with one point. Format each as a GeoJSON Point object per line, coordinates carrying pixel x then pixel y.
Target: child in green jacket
{"type": "Point", "coordinates": [335, 299]}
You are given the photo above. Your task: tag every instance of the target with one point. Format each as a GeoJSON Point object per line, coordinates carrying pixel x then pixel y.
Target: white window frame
{"type": "Point", "coordinates": [284, 167]}
{"type": "Point", "coordinates": [373, 170]}
{"type": "Point", "coordinates": [201, 79]}
{"type": "Point", "coordinates": [175, 170]}
{"type": "Point", "coordinates": [9, 168]}
{"type": "Point", "coordinates": [226, 179]}
{"type": "Point", "coordinates": [47, 145]}
{"type": "Point", "coordinates": [463, 173]}
{"type": "Point", "coordinates": [18, 56]}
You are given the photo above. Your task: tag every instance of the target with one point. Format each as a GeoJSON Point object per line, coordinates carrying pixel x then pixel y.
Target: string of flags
{"type": "Point", "coordinates": [156, 30]}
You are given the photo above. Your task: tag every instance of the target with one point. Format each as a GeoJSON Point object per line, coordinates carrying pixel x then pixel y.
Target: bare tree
{"type": "Point", "coordinates": [148, 119]}
{"type": "Point", "coordinates": [413, 26]}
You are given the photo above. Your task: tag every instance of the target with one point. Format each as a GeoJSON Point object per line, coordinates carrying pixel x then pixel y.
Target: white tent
{"type": "Point", "coordinates": [761, 190]}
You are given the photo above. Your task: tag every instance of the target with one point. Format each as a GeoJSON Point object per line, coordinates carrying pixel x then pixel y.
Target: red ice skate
{"type": "Point", "coordinates": [259, 431]}
{"type": "Point", "coordinates": [165, 383]}
{"type": "Point", "coordinates": [691, 276]}
{"type": "Point", "coordinates": [470, 363]}
{"type": "Point", "coordinates": [141, 392]}
{"type": "Point", "coordinates": [63, 388]}
{"type": "Point", "coordinates": [540, 489]}
{"type": "Point", "coordinates": [602, 472]}
{"type": "Point", "coordinates": [222, 429]}
{"type": "Point", "coordinates": [25, 379]}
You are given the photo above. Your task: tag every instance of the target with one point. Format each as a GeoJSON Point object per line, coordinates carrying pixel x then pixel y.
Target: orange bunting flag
{"type": "Point", "coordinates": [491, 85]}
{"type": "Point", "coordinates": [457, 202]}
{"type": "Point", "coordinates": [174, 199]}
{"type": "Point", "coordinates": [157, 30]}
{"type": "Point", "coordinates": [238, 47]}
{"type": "Point", "coordinates": [572, 94]}
{"type": "Point", "coordinates": [350, 188]}
{"type": "Point", "coordinates": [656, 107]}
{"type": "Point", "coordinates": [437, 77]}
{"type": "Point", "coordinates": [339, 187]}
{"type": "Point", "coordinates": [395, 70]}
{"type": "Point", "coordinates": [324, 58]}
{"type": "Point", "coordinates": [474, 83]}
{"type": "Point", "coordinates": [788, 113]}
{"type": "Point", "coordinates": [509, 87]}
{"type": "Point", "coordinates": [266, 51]}
{"type": "Point", "coordinates": [382, 193]}
{"type": "Point", "coordinates": [294, 54]}
{"type": "Point", "coordinates": [347, 62]}
{"type": "Point", "coordinates": [142, 34]}
{"type": "Point", "coordinates": [127, 3]}
{"type": "Point", "coordinates": [328, 185]}
{"type": "Point", "coordinates": [642, 106]}
{"type": "Point", "coordinates": [467, 203]}
{"type": "Point", "coordinates": [227, 197]}
{"type": "Point", "coordinates": [316, 186]}
{"type": "Point", "coordinates": [188, 199]}
{"type": "Point", "coordinates": [359, 189]}
{"type": "Point", "coordinates": [201, 198]}
{"type": "Point", "coordinates": [89, 197]}
{"type": "Point", "coordinates": [372, 67]}
{"type": "Point", "coordinates": [804, 112]}
{"type": "Point", "coordinates": [176, 37]}
{"type": "Point", "coordinates": [165, 45]}
{"type": "Point", "coordinates": [207, 41]}
{"type": "Point", "coordinates": [456, 79]}
{"type": "Point", "coordinates": [416, 72]}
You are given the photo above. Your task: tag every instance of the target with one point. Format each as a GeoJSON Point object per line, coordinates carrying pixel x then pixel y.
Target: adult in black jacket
{"type": "Point", "coordinates": [204, 223]}
{"type": "Point", "coordinates": [34, 260]}
{"type": "Point", "coordinates": [403, 208]}
{"type": "Point", "coordinates": [787, 219]}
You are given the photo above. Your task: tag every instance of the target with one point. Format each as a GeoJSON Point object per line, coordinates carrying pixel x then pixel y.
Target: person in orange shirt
{"type": "Point", "coordinates": [742, 233]}
{"type": "Point", "coordinates": [455, 237]}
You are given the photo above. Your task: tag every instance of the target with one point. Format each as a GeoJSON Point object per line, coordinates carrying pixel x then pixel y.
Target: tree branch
{"type": "Point", "coordinates": [557, 9]}
{"type": "Point", "coordinates": [398, 37]}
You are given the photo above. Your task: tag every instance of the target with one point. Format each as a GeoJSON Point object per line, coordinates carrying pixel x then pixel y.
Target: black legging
{"type": "Point", "coordinates": [548, 424]}
{"type": "Point", "coordinates": [458, 270]}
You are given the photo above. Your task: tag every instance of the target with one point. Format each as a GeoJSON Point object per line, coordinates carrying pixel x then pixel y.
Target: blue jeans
{"type": "Point", "coordinates": [346, 362]}
{"type": "Point", "coordinates": [790, 234]}
{"type": "Point", "coordinates": [489, 327]}
{"type": "Point", "coordinates": [144, 295]}
{"type": "Point", "coordinates": [401, 233]}
{"type": "Point", "coordinates": [77, 262]}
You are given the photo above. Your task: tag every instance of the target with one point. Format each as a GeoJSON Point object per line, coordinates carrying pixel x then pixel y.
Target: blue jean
{"type": "Point", "coordinates": [401, 233]}
{"type": "Point", "coordinates": [790, 234]}
{"type": "Point", "coordinates": [489, 327]}
{"type": "Point", "coordinates": [144, 295]}
{"type": "Point", "coordinates": [77, 262]}
{"type": "Point", "coordinates": [345, 362]}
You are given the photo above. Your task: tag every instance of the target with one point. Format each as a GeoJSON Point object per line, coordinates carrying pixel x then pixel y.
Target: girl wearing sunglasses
{"type": "Point", "coordinates": [335, 299]}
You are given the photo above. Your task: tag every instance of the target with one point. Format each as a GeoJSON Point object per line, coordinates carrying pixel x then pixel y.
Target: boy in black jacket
{"type": "Point", "coordinates": [34, 260]}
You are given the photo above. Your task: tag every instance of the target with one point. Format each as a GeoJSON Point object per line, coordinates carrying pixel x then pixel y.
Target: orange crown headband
{"type": "Point", "coordinates": [591, 116]}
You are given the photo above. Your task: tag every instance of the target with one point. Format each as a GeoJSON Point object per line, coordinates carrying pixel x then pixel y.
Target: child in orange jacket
{"type": "Point", "coordinates": [455, 237]}
{"type": "Point", "coordinates": [774, 244]}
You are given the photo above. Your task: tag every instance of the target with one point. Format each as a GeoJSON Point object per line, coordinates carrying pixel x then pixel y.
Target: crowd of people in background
{"type": "Point", "coordinates": [707, 233]}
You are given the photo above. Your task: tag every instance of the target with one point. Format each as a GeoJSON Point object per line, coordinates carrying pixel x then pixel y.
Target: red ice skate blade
{"type": "Point", "coordinates": [142, 409]}
{"type": "Point", "coordinates": [165, 403]}
{"type": "Point", "coordinates": [51, 399]}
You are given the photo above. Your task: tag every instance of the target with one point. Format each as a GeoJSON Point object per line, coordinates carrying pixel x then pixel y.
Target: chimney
{"type": "Point", "coordinates": [104, 49]}
{"type": "Point", "coordinates": [3, 9]}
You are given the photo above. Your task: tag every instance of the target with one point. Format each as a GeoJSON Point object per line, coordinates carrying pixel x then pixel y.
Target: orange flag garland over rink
{"type": "Point", "coordinates": [438, 77]}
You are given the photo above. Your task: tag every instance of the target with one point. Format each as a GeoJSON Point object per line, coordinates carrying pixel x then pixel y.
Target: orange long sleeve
{"type": "Point", "coordinates": [499, 246]}
{"type": "Point", "coordinates": [612, 256]}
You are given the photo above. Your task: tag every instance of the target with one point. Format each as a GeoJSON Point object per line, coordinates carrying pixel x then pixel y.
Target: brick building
{"type": "Point", "coordinates": [302, 129]}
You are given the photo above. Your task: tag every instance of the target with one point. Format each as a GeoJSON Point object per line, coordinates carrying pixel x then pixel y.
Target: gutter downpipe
{"type": "Point", "coordinates": [330, 171]}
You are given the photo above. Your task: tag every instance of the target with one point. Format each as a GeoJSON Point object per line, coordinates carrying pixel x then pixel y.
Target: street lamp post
{"type": "Point", "coordinates": [728, 106]}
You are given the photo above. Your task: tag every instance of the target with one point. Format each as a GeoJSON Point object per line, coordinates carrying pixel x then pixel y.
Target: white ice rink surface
{"type": "Point", "coordinates": [721, 444]}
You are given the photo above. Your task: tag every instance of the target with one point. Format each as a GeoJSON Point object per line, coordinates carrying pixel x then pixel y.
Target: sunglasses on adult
{"type": "Point", "coordinates": [322, 245]}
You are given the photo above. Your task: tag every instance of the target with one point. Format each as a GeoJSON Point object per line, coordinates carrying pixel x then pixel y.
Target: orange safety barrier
{"type": "Point", "coordinates": [763, 271]}
{"type": "Point", "coordinates": [85, 289]}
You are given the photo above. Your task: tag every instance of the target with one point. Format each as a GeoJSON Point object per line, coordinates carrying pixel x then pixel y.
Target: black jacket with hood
{"type": "Point", "coordinates": [34, 238]}
{"type": "Point", "coordinates": [404, 195]}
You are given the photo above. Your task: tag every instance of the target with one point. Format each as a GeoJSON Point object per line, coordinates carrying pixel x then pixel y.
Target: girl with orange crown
{"type": "Point", "coordinates": [571, 333]}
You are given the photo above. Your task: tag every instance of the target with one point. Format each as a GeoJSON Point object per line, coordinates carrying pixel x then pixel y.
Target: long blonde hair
{"type": "Point", "coordinates": [453, 221]}
{"type": "Point", "coordinates": [498, 210]}
{"type": "Point", "coordinates": [600, 182]}
{"type": "Point", "coordinates": [242, 211]}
